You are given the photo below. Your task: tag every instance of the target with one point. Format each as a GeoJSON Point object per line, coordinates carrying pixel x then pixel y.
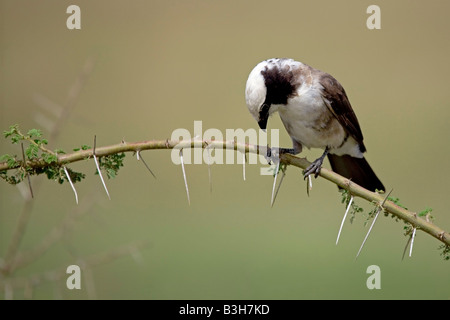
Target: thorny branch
{"type": "Point", "coordinates": [355, 190]}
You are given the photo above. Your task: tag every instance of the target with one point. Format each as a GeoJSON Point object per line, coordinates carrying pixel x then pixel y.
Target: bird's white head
{"type": "Point", "coordinates": [256, 90]}
{"type": "Point", "coordinates": [270, 83]}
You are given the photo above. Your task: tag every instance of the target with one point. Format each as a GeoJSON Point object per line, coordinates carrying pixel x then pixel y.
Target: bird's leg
{"type": "Point", "coordinates": [316, 165]}
{"type": "Point", "coordinates": [275, 153]}
{"type": "Point", "coordinates": [269, 155]}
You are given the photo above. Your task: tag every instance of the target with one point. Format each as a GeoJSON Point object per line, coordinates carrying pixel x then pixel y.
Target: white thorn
{"type": "Point", "coordinates": [243, 164]}
{"type": "Point", "coordinates": [184, 176]}
{"type": "Point", "coordinates": [274, 183]}
{"type": "Point", "coordinates": [343, 219]}
{"type": "Point", "coordinates": [375, 219]}
{"type": "Point", "coordinates": [279, 186]}
{"type": "Point", "coordinates": [208, 153]}
{"type": "Point", "coordinates": [139, 157]}
{"type": "Point", "coordinates": [71, 184]}
{"type": "Point", "coordinates": [308, 185]}
{"type": "Point", "coordinates": [100, 174]}
{"type": "Point", "coordinates": [412, 241]}
{"type": "Point", "coordinates": [370, 229]}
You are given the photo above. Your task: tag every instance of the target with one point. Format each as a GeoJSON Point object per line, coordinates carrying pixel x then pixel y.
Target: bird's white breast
{"type": "Point", "coordinates": [308, 120]}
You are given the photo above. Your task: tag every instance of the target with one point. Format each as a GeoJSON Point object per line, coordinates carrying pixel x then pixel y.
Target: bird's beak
{"type": "Point", "coordinates": [263, 123]}
{"type": "Point", "coordinates": [263, 117]}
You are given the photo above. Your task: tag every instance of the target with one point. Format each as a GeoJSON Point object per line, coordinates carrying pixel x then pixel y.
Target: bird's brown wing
{"type": "Point", "coordinates": [337, 102]}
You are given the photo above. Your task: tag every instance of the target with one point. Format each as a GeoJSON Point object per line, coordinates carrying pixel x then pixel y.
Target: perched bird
{"type": "Point", "coordinates": [316, 113]}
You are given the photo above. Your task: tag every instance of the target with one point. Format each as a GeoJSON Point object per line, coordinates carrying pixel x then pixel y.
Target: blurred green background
{"type": "Point", "coordinates": [160, 65]}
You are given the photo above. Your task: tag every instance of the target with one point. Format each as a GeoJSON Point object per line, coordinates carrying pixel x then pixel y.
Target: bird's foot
{"type": "Point", "coordinates": [315, 166]}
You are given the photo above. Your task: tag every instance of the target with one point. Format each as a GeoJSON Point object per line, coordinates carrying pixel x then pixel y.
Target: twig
{"type": "Point", "coordinates": [30, 140]}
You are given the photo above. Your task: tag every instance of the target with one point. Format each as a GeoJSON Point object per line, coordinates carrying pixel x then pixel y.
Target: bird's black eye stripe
{"type": "Point", "coordinates": [263, 115]}
{"type": "Point", "coordinates": [281, 84]}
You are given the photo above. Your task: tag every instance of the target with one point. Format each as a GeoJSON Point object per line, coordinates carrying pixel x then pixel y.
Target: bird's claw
{"type": "Point", "coordinates": [313, 168]}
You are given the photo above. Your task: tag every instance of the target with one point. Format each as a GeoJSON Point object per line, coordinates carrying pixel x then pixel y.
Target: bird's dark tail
{"type": "Point", "coordinates": [357, 170]}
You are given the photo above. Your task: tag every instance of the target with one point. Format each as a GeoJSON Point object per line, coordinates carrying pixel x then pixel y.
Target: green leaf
{"type": "Point", "coordinates": [10, 160]}
{"type": "Point", "coordinates": [111, 173]}
{"type": "Point", "coordinates": [425, 212]}
{"type": "Point", "coordinates": [52, 173]}
{"type": "Point", "coordinates": [397, 202]}
{"type": "Point", "coordinates": [15, 138]}
{"type": "Point", "coordinates": [111, 164]}
{"type": "Point", "coordinates": [74, 176]}
{"type": "Point", "coordinates": [34, 133]}
{"type": "Point", "coordinates": [12, 130]}
{"type": "Point", "coordinates": [445, 251]}
{"type": "Point", "coordinates": [49, 158]}
{"type": "Point", "coordinates": [32, 152]}
{"type": "Point", "coordinates": [83, 147]}
{"type": "Point", "coordinates": [5, 157]}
